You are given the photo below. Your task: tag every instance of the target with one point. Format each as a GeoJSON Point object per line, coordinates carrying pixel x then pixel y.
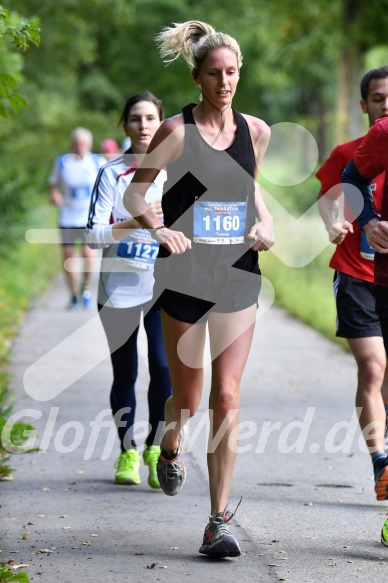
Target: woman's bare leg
{"type": "Point", "coordinates": [186, 382]}
{"type": "Point", "coordinates": [227, 370]}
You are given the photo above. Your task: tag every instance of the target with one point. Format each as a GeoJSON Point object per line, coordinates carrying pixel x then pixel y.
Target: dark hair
{"type": "Point", "coordinates": [379, 73]}
{"type": "Point", "coordinates": [145, 96]}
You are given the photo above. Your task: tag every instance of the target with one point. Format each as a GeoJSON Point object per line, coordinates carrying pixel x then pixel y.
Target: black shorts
{"type": "Point", "coordinates": [73, 235]}
{"type": "Point", "coordinates": [382, 310]}
{"type": "Point", "coordinates": [356, 307]}
{"type": "Point", "coordinates": [193, 310]}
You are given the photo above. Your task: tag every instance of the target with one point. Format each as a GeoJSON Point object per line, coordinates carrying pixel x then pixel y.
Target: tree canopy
{"type": "Point", "coordinates": [302, 63]}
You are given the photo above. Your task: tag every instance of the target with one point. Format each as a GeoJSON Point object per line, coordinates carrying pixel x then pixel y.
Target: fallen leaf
{"type": "Point", "coordinates": [63, 516]}
{"type": "Point", "coordinates": [46, 489]}
{"type": "Point", "coordinates": [14, 567]}
{"type": "Point", "coordinates": [331, 564]}
{"type": "Point", "coordinates": [29, 523]}
{"type": "Point", "coordinates": [138, 554]}
{"type": "Point", "coordinates": [152, 566]}
{"type": "Point", "coordinates": [87, 543]}
{"type": "Point", "coordinates": [27, 532]}
{"type": "Point", "coordinates": [247, 540]}
{"type": "Point", "coordinates": [45, 551]}
{"type": "Point", "coordinates": [272, 565]}
{"type": "Point", "coordinates": [67, 528]}
{"type": "Point", "coordinates": [94, 534]}
{"type": "Point", "coordinates": [174, 548]}
{"type": "Point", "coordinates": [24, 537]}
{"type": "Point", "coordinates": [41, 515]}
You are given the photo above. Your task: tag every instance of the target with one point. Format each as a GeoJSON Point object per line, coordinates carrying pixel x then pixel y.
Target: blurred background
{"type": "Point", "coordinates": [303, 61]}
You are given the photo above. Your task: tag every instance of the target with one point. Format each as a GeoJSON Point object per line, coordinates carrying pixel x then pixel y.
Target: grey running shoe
{"type": "Point", "coordinates": [218, 541]}
{"type": "Point", "coordinates": [171, 473]}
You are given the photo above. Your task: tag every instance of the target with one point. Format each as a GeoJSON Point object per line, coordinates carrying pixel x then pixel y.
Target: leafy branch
{"type": "Point", "coordinates": [8, 576]}
{"type": "Point", "coordinates": [20, 34]}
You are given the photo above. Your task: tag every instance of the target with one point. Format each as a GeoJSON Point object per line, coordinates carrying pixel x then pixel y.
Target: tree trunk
{"type": "Point", "coordinates": [349, 116]}
{"type": "Point", "coordinates": [351, 52]}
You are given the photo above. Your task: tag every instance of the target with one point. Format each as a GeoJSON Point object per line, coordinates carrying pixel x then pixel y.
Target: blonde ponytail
{"type": "Point", "coordinates": [192, 40]}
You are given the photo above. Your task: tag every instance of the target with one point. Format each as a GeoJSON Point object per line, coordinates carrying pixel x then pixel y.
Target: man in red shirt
{"type": "Point", "coordinates": [353, 262]}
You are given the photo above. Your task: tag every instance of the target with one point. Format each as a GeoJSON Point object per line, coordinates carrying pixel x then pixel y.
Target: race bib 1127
{"type": "Point", "coordinates": [138, 250]}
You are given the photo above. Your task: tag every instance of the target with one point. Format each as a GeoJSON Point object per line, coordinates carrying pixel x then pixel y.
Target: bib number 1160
{"type": "Point", "coordinates": [225, 223]}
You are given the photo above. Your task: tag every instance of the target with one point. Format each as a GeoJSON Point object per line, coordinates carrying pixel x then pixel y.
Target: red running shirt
{"type": "Point", "coordinates": [347, 257]}
{"type": "Point", "coordinates": [371, 158]}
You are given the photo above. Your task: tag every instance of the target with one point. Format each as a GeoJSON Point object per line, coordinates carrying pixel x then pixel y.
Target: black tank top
{"type": "Point", "coordinates": [207, 175]}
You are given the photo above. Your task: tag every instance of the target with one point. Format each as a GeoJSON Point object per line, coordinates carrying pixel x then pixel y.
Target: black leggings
{"type": "Point", "coordinates": [118, 323]}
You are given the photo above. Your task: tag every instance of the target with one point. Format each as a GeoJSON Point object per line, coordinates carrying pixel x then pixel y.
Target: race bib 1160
{"type": "Point", "coordinates": [219, 223]}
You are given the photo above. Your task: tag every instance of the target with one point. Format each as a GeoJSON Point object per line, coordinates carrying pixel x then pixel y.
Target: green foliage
{"type": "Point", "coordinates": [305, 293]}
{"type": "Point", "coordinates": [17, 290]}
{"type": "Point", "coordinates": [20, 34]}
{"type": "Point", "coordinates": [14, 437]}
{"type": "Point", "coordinates": [7, 575]}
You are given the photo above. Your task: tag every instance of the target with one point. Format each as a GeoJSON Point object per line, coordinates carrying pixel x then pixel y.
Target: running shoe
{"type": "Point", "coordinates": [171, 473]}
{"type": "Point", "coordinates": [150, 457]}
{"type": "Point", "coordinates": [73, 304]}
{"type": "Point", "coordinates": [128, 468]}
{"type": "Point", "coordinates": [218, 541]}
{"type": "Point", "coordinates": [87, 299]}
{"type": "Point", "coordinates": [381, 480]}
{"type": "Point", "coordinates": [384, 534]}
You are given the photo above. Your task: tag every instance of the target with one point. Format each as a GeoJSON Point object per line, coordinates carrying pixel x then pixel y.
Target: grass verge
{"type": "Point", "coordinates": [25, 272]}
{"type": "Point", "coordinates": [305, 292]}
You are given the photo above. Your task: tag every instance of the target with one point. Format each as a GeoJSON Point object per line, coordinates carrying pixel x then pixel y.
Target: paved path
{"type": "Point", "coordinates": [307, 516]}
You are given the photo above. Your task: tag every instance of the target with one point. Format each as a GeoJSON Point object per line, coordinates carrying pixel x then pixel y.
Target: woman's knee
{"type": "Point", "coordinates": [225, 399]}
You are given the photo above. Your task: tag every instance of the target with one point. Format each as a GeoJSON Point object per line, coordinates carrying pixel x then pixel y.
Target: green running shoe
{"type": "Point", "coordinates": [128, 468]}
{"type": "Point", "coordinates": [150, 457]}
{"type": "Point", "coordinates": [384, 534]}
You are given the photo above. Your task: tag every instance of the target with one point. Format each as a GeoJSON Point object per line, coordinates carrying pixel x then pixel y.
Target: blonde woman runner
{"type": "Point", "coordinates": [207, 272]}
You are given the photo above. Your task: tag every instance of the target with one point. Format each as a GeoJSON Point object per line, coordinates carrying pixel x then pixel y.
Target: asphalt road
{"type": "Point", "coordinates": [308, 513]}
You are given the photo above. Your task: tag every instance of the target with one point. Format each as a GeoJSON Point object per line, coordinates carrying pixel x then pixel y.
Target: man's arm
{"type": "Point", "coordinates": [329, 210]}
{"type": "Point", "coordinates": [359, 196]}
{"type": "Point", "coordinates": [329, 176]}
